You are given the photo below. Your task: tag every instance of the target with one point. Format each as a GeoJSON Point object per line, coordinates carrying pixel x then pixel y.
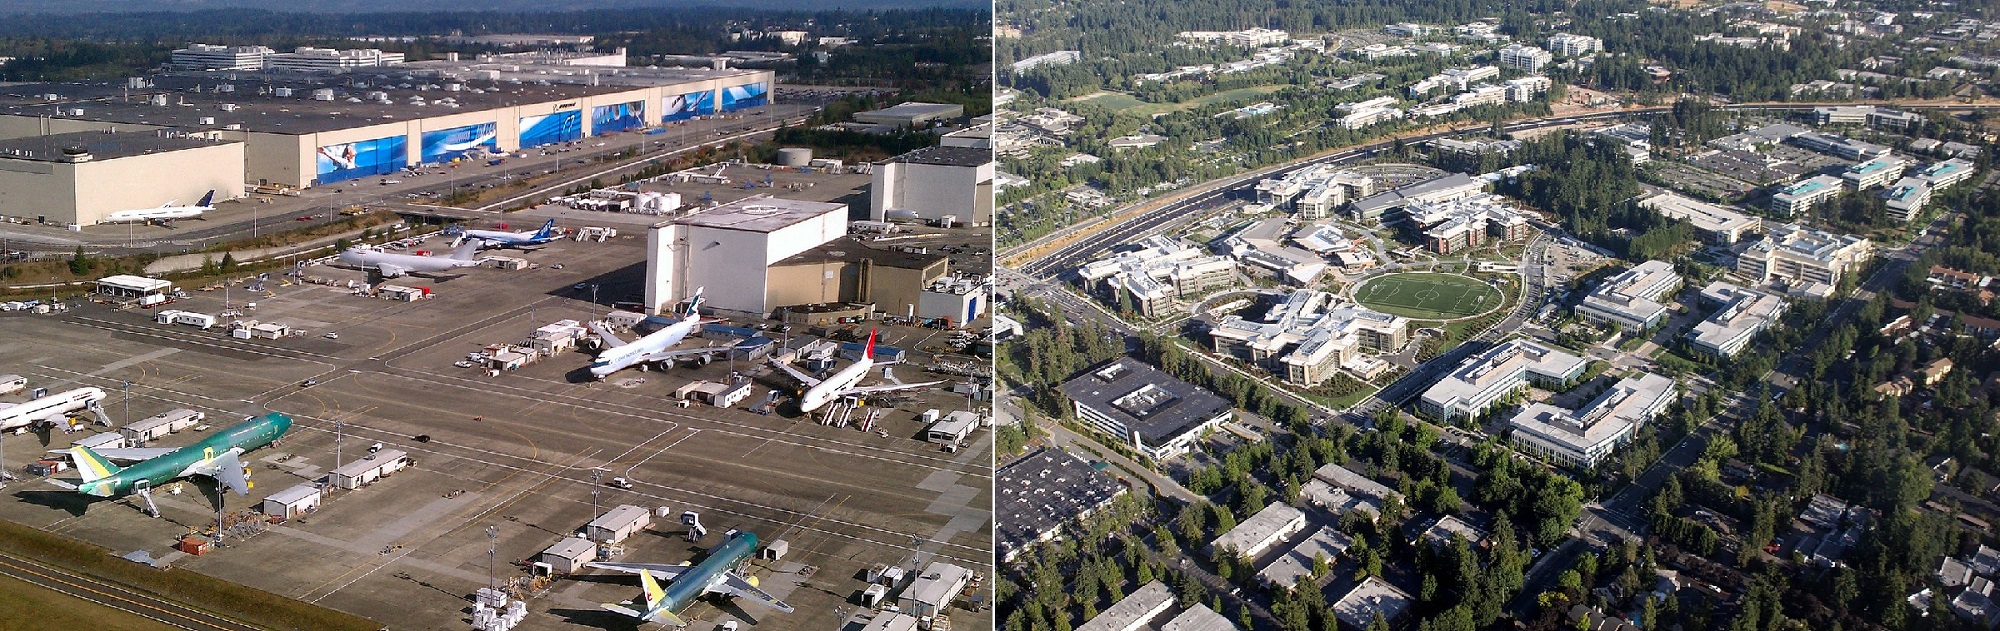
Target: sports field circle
{"type": "Point", "coordinates": [1428, 295]}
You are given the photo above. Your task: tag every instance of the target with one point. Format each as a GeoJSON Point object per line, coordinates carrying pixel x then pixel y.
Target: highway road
{"type": "Point", "coordinates": [117, 596]}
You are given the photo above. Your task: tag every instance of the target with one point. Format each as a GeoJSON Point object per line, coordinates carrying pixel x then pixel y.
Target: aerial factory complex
{"type": "Point", "coordinates": [529, 339]}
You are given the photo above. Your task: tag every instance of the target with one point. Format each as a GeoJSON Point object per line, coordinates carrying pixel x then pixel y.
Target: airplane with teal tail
{"type": "Point", "coordinates": [718, 574]}
{"type": "Point", "coordinates": [218, 456]}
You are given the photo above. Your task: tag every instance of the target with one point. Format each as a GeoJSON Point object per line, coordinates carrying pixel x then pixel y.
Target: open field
{"type": "Point", "coordinates": [516, 452]}
{"type": "Point", "coordinates": [1127, 104]}
{"type": "Point", "coordinates": [32, 606]}
{"type": "Point", "coordinates": [1429, 296]}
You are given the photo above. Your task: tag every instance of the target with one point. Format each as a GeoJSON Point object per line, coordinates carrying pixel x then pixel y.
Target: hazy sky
{"type": "Point", "coordinates": [357, 6]}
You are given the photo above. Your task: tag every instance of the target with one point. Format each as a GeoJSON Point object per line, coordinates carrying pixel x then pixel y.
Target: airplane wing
{"type": "Point", "coordinates": [391, 270]}
{"type": "Point", "coordinates": [132, 454]}
{"type": "Point", "coordinates": [796, 373]}
{"type": "Point", "coordinates": [611, 340]}
{"type": "Point", "coordinates": [735, 585]}
{"type": "Point", "coordinates": [662, 616]}
{"type": "Point", "coordinates": [887, 388]}
{"type": "Point", "coordinates": [228, 470]}
{"type": "Point", "coordinates": [663, 571]}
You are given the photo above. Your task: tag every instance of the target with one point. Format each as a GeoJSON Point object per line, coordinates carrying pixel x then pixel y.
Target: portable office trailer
{"type": "Point", "coordinates": [154, 427]}
{"type": "Point", "coordinates": [623, 521]}
{"type": "Point", "coordinates": [104, 440]}
{"type": "Point", "coordinates": [953, 429]}
{"type": "Point", "coordinates": [569, 555]}
{"type": "Point", "coordinates": [934, 589]}
{"type": "Point", "coordinates": [370, 468]}
{"type": "Point", "coordinates": [292, 502]}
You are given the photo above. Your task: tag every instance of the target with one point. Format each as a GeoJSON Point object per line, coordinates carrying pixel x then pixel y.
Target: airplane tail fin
{"type": "Point", "coordinates": [93, 467]}
{"type": "Point", "coordinates": [466, 250]}
{"type": "Point", "coordinates": [869, 351]}
{"type": "Point", "coordinates": [654, 593]}
{"type": "Point", "coordinates": [548, 229]}
{"type": "Point", "coordinates": [693, 308]}
{"type": "Point", "coordinates": [206, 200]}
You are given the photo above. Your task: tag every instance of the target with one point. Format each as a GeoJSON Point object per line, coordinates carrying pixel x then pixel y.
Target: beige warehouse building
{"type": "Point", "coordinates": [80, 177]}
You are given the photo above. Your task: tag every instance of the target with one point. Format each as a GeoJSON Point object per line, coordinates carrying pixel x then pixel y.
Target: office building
{"type": "Point", "coordinates": [1716, 224]}
{"type": "Point", "coordinates": [1144, 408]}
{"type": "Point", "coordinates": [1631, 299]}
{"type": "Point", "coordinates": [1944, 174]}
{"type": "Point", "coordinates": [1740, 314]}
{"type": "Point", "coordinates": [1571, 45]}
{"type": "Point", "coordinates": [1260, 532]}
{"type": "Point", "coordinates": [1036, 497]}
{"type": "Point", "coordinates": [1311, 335]}
{"type": "Point", "coordinates": [1527, 59]}
{"type": "Point", "coordinates": [1872, 173]}
{"type": "Point", "coordinates": [310, 59]}
{"type": "Point", "coordinates": [213, 57]}
{"type": "Point", "coordinates": [1906, 199]}
{"type": "Point", "coordinates": [1451, 187]}
{"type": "Point", "coordinates": [1581, 438]}
{"type": "Point", "coordinates": [1485, 379]}
{"type": "Point", "coordinates": [1798, 197]}
{"type": "Point", "coordinates": [1160, 271]}
{"type": "Point", "coordinates": [1796, 255]}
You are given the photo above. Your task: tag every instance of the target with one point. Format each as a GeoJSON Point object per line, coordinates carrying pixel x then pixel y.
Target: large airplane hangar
{"type": "Point", "coordinates": [302, 130]}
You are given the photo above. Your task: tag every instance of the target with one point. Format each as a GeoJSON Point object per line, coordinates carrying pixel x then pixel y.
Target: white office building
{"type": "Point", "coordinates": [310, 59]}
{"type": "Point", "coordinates": [1571, 45]}
{"type": "Point", "coordinates": [1906, 198]}
{"type": "Point", "coordinates": [1527, 59]}
{"type": "Point", "coordinates": [1485, 379]}
{"type": "Point", "coordinates": [1739, 315]}
{"type": "Point", "coordinates": [1716, 224]}
{"type": "Point", "coordinates": [1874, 172]}
{"type": "Point", "coordinates": [1802, 195]}
{"type": "Point", "coordinates": [1631, 299]}
{"type": "Point", "coordinates": [1581, 438]}
{"type": "Point", "coordinates": [1311, 335]}
{"type": "Point", "coordinates": [1163, 270]}
{"type": "Point", "coordinates": [213, 57]}
{"type": "Point", "coordinates": [1797, 255]}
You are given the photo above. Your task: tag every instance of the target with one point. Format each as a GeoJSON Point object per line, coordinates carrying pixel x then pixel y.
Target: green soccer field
{"type": "Point", "coordinates": [1429, 296]}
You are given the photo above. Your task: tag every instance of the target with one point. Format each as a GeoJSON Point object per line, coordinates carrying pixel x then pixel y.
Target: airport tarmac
{"type": "Point", "coordinates": [516, 452]}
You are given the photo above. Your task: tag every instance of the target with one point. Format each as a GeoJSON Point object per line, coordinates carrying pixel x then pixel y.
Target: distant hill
{"type": "Point", "coordinates": [67, 7]}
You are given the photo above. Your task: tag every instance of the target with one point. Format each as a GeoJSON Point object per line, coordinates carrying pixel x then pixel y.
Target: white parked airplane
{"type": "Point", "coordinates": [655, 348]}
{"type": "Point", "coordinates": [168, 211]}
{"type": "Point", "coordinates": [502, 238]}
{"type": "Point", "coordinates": [392, 265]}
{"type": "Point", "coordinates": [844, 383]}
{"type": "Point", "coordinates": [50, 410]}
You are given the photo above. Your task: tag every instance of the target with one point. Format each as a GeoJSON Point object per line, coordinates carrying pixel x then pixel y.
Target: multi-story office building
{"type": "Point", "coordinates": [1872, 173]}
{"type": "Point", "coordinates": [1630, 300]}
{"type": "Point", "coordinates": [1571, 45]}
{"type": "Point", "coordinates": [1487, 378]}
{"type": "Point", "coordinates": [1583, 437]}
{"type": "Point", "coordinates": [213, 57]}
{"type": "Point", "coordinates": [1144, 408]}
{"type": "Point", "coordinates": [1527, 59]}
{"type": "Point", "coordinates": [310, 59]}
{"type": "Point", "coordinates": [1739, 315]}
{"type": "Point", "coordinates": [1311, 335]}
{"type": "Point", "coordinates": [1161, 271]}
{"type": "Point", "coordinates": [1906, 199]}
{"type": "Point", "coordinates": [1801, 196]}
{"type": "Point", "coordinates": [1716, 224]}
{"type": "Point", "coordinates": [1797, 255]}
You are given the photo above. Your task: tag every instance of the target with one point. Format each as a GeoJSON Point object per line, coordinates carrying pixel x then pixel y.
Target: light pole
{"type": "Point", "coordinates": [337, 436]}
{"type": "Point", "coordinates": [128, 402]}
{"type": "Point", "coordinates": [596, 474]}
{"type": "Point", "coordinates": [492, 540]}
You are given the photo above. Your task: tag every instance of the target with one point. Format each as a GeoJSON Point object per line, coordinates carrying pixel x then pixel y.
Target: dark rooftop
{"type": "Point", "coordinates": [947, 156]}
{"type": "Point", "coordinates": [100, 145]}
{"type": "Point", "coordinates": [847, 249]}
{"type": "Point", "coordinates": [1147, 399]}
{"type": "Point", "coordinates": [1043, 491]}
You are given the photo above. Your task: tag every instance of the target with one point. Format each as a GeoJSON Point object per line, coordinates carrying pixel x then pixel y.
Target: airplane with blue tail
{"type": "Point", "coordinates": [504, 239]}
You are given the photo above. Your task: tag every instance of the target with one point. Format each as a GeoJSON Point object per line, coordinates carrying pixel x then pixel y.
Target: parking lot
{"type": "Point", "coordinates": [516, 452]}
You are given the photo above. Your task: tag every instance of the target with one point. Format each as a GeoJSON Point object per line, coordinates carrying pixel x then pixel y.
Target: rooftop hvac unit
{"type": "Point", "coordinates": [228, 107]}
{"type": "Point", "coordinates": [51, 97]}
{"type": "Point", "coordinates": [205, 120]}
{"type": "Point", "coordinates": [283, 92]}
{"type": "Point", "coordinates": [233, 126]}
{"type": "Point", "coordinates": [76, 111]}
{"type": "Point", "coordinates": [157, 100]}
{"type": "Point", "coordinates": [323, 94]}
{"type": "Point", "coordinates": [225, 87]}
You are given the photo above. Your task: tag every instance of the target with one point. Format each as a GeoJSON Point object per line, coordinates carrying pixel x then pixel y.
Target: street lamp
{"type": "Point", "coordinates": [337, 436]}
{"type": "Point", "coordinates": [492, 540]}
{"type": "Point", "coordinates": [596, 474]}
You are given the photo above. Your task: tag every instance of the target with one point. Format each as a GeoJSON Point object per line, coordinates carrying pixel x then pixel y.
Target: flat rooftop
{"type": "Point", "coordinates": [758, 214]}
{"type": "Point", "coordinates": [1044, 491]}
{"type": "Point", "coordinates": [198, 100]}
{"type": "Point", "coordinates": [848, 249]}
{"type": "Point", "coordinates": [101, 146]}
{"type": "Point", "coordinates": [1259, 528]}
{"type": "Point", "coordinates": [533, 71]}
{"type": "Point", "coordinates": [1136, 609]}
{"type": "Point", "coordinates": [1705, 216]}
{"type": "Point", "coordinates": [942, 155]}
{"type": "Point", "coordinates": [1178, 406]}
